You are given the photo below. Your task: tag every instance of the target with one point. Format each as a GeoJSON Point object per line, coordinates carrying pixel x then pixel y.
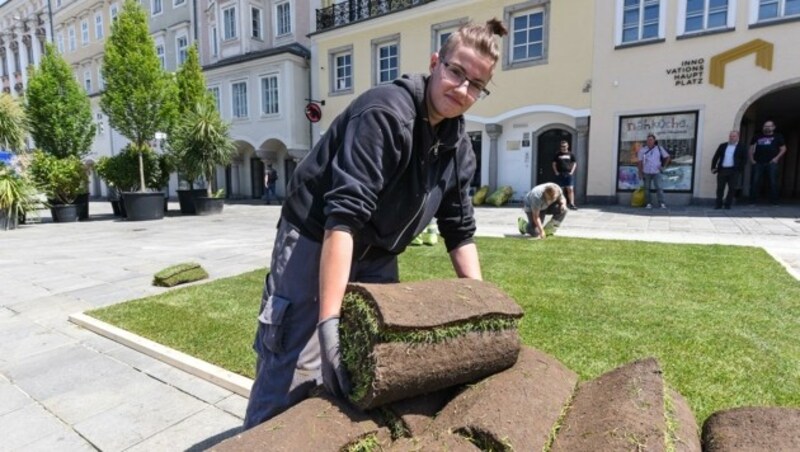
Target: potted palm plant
{"type": "Point", "coordinates": [17, 197]}
{"type": "Point", "coordinates": [191, 90]}
{"type": "Point", "coordinates": [202, 141]}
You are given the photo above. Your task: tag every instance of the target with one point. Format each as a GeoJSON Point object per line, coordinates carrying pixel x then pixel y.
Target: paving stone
{"type": "Point", "coordinates": [197, 432]}
{"type": "Point", "coordinates": [234, 404]}
{"type": "Point", "coordinates": [138, 418]}
{"type": "Point", "coordinates": [22, 339]}
{"type": "Point", "coordinates": [61, 370]}
{"type": "Point", "coordinates": [11, 397]}
{"type": "Point", "coordinates": [64, 440]}
{"type": "Point", "coordinates": [22, 427]}
{"type": "Point", "coordinates": [97, 396]}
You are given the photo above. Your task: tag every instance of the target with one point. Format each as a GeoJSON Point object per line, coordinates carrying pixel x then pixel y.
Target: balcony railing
{"type": "Point", "coordinates": [350, 11]}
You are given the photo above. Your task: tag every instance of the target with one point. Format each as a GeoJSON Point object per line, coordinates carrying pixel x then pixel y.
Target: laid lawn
{"type": "Point", "coordinates": [723, 321]}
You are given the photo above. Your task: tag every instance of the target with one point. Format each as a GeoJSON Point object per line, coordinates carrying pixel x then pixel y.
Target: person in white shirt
{"type": "Point", "coordinates": [652, 159]}
{"type": "Point", "coordinates": [728, 163]}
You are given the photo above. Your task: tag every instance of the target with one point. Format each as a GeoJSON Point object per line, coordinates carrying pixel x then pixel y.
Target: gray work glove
{"type": "Point", "coordinates": [334, 375]}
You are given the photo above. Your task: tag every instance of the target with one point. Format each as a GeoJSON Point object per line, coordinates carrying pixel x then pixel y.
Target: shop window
{"type": "Point", "coordinates": [676, 133]}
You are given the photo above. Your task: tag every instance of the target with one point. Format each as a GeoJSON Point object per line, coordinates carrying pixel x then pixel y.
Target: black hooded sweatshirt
{"type": "Point", "coordinates": [382, 174]}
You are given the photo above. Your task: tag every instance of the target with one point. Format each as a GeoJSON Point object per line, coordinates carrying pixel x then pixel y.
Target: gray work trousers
{"type": "Point", "coordinates": [286, 344]}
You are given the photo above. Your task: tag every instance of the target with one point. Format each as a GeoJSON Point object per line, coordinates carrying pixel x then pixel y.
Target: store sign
{"type": "Point", "coordinates": [690, 72]}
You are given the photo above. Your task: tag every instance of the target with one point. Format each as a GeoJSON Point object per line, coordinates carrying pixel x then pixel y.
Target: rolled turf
{"type": "Point", "coordinates": [406, 339]}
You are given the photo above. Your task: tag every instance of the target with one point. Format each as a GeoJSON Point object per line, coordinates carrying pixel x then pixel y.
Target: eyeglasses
{"type": "Point", "coordinates": [476, 90]}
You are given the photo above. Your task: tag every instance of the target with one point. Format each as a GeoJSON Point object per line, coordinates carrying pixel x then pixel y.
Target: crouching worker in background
{"type": "Point", "coordinates": [542, 200]}
{"type": "Point", "coordinates": [396, 158]}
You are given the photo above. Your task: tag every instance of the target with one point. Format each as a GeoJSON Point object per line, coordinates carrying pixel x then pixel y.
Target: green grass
{"type": "Point", "coordinates": [723, 321]}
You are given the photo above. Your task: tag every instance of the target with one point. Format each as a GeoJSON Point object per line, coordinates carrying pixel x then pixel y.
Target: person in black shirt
{"type": "Point", "coordinates": [766, 151]}
{"type": "Point", "coordinates": [564, 165]}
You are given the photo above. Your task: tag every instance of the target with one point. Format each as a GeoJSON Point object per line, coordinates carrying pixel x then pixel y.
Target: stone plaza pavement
{"type": "Point", "coordinates": [64, 388]}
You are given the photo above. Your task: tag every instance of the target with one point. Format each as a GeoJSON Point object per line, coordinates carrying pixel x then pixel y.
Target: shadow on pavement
{"type": "Point", "coordinates": [214, 440]}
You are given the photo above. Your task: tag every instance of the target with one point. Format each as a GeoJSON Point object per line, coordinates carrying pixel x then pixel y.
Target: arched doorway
{"type": "Point", "coordinates": [547, 146]}
{"type": "Point", "coordinates": [778, 104]}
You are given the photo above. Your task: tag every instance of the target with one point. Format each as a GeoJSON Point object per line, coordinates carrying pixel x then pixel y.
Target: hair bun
{"type": "Point", "coordinates": [496, 27]}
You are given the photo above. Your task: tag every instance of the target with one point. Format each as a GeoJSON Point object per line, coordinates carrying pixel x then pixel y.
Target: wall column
{"type": "Point", "coordinates": [9, 65]}
{"type": "Point", "coordinates": [582, 155]}
{"type": "Point", "coordinates": [494, 131]}
{"type": "Point", "coordinates": [23, 59]}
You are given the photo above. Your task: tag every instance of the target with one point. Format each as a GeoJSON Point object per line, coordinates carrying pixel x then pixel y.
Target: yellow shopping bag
{"type": "Point", "coordinates": [638, 197]}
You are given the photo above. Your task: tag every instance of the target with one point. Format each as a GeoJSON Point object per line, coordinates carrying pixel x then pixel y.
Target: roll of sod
{"type": "Point", "coordinates": [179, 274]}
{"type": "Point", "coordinates": [406, 339]}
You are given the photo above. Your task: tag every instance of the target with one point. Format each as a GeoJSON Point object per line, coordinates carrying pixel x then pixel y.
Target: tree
{"type": "Point", "coordinates": [191, 82]}
{"type": "Point", "coordinates": [191, 91]}
{"type": "Point", "coordinates": [13, 124]}
{"type": "Point", "coordinates": [202, 140]}
{"type": "Point", "coordinates": [140, 97]}
{"type": "Point", "coordinates": [58, 108]}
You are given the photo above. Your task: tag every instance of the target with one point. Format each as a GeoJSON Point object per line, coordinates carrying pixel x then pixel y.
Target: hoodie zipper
{"type": "Point", "coordinates": [416, 214]}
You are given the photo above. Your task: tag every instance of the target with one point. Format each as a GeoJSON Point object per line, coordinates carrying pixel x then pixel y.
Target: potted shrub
{"type": "Point", "coordinates": [17, 197]}
{"type": "Point", "coordinates": [140, 99]}
{"type": "Point", "coordinates": [60, 114]}
{"type": "Point", "coordinates": [202, 142]}
{"type": "Point", "coordinates": [121, 173]}
{"type": "Point", "coordinates": [62, 180]}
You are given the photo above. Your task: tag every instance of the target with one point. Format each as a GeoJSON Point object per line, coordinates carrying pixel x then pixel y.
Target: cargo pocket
{"type": "Point", "coordinates": [272, 327]}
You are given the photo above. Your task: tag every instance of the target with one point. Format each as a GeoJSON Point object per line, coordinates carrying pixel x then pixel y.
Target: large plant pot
{"type": "Point", "coordinates": [186, 199]}
{"type": "Point", "coordinates": [116, 207]}
{"type": "Point", "coordinates": [7, 220]}
{"type": "Point", "coordinates": [144, 206]}
{"type": "Point", "coordinates": [64, 213]}
{"type": "Point", "coordinates": [208, 206]}
{"type": "Point", "coordinates": [82, 201]}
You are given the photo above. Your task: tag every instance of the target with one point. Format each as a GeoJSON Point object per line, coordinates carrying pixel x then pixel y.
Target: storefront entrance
{"type": "Point", "coordinates": [779, 106]}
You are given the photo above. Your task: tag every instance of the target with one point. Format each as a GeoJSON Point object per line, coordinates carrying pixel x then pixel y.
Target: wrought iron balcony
{"type": "Point", "coordinates": [350, 11]}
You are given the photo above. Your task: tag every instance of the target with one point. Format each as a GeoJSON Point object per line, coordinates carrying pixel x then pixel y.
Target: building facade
{"type": "Point", "coordinates": [24, 30]}
{"type": "Point", "coordinates": [255, 58]}
{"type": "Point", "coordinates": [691, 71]}
{"type": "Point", "coordinates": [540, 92]}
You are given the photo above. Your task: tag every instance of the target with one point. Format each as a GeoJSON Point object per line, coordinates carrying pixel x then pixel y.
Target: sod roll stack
{"type": "Point", "coordinates": [402, 340]}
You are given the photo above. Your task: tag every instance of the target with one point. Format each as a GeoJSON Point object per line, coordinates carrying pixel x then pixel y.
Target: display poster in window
{"type": "Point", "coordinates": [676, 133]}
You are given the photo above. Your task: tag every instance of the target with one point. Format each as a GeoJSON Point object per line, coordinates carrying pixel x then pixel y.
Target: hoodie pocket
{"type": "Point", "coordinates": [272, 327]}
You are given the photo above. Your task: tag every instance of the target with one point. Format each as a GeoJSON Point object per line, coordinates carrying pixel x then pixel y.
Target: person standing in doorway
{"type": "Point", "coordinates": [728, 164]}
{"type": "Point", "coordinates": [564, 165]}
{"type": "Point", "coordinates": [270, 183]}
{"type": "Point", "coordinates": [397, 157]}
{"type": "Point", "coordinates": [766, 150]}
{"type": "Point", "coordinates": [652, 159]}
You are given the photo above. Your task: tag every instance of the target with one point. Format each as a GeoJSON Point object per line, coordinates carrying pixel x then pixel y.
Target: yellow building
{"type": "Point", "coordinates": [691, 71]}
{"type": "Point", "coordinates": [540, 93]}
